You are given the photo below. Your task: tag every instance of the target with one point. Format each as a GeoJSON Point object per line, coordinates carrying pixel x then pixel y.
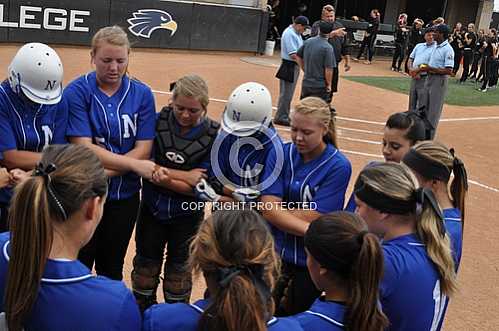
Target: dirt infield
{"type": "Point", "coordinates": [362, 111]}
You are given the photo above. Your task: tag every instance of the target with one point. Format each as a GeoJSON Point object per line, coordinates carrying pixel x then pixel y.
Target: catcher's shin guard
{"type": "Point", "coordinates": [145, 280]}
{"type": "Point", "coordinates": [177, 284]}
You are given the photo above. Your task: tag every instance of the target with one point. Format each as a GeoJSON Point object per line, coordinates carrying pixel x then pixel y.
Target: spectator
{"type": "Point", "coordinates": [370, 37]}
{"type": "Point", "coordinates": [401, 37]}
{"type": "Point", "coordinates": [469, 42]}
{"type": "Point", "coordinates": [490, 57]}
{"type": "Point", "coordinates": [457, 42]}
{"type": "Point", "coordinates": [477, 55]}
{"type": "Point", "coordinates": [317, 60]}
{"type": "Point", "coordinates": [289, 71]}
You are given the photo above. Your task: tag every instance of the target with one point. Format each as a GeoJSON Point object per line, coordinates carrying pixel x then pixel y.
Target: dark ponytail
{"type": "Point", "coordinates": [340, 243]}
{"type": "Point", "coordinates": [65, 178]}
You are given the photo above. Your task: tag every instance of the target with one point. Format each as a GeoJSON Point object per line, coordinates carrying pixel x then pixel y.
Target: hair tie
{"type": "Point", "coordinates": [45, 172]}
{"type": "Point", "coordinates": [360, 237]}
{"type": "Point", "coordinates": [422, 195]}
{"type": "Point", "coordinates": [254, 271]}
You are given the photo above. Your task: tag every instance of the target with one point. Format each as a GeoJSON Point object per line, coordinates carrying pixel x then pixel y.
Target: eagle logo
{"type": "Point", "coordinates": [145, 21]}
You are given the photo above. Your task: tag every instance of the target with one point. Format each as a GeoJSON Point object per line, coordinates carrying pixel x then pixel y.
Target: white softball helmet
{"type": "Point", "coordinates": [248, 110]}
{"type": "Point", "coordinates": [37, 71]}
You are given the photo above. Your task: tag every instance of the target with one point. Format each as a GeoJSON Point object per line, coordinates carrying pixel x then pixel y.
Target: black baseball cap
{"type": "Point", "coordinates": [302, 20]}
{"type": "Point", "coordinates": [325, 27]}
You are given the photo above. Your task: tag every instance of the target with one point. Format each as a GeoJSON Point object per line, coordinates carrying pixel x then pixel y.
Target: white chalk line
{"type": "Point", "coordinates": [358, 120]}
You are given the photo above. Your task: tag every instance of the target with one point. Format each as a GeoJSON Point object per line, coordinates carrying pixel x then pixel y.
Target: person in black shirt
{"type": "Point", "coordinates": [477, 54]}
{"type": "Point", "coordinates": [490, 56]}
{"type": "Point", "coordinates": [416, 36]}
{"type": "Point", "coordinates": [456, 41]}
{"type": "Point", "coordinates": [401, 37]}
{"type": "Point", "coordinates": [370, 37]}
{"type": "Point", "coordinates": [338, 40]}
{"type": "Point", "coordinates": [469, 42]}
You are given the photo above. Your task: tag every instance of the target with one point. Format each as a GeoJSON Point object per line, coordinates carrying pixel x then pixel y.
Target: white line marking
{"type": "Point", "coordinates": [359, 130]}
{"type": "Point", "coordinates": [483, 186]}
{"type": "Point", "coordinates": [366, 121]}
{"type": "Point", "coordinates": [360, 153]}
{"type": "Point", "coordinates": [340, 136]}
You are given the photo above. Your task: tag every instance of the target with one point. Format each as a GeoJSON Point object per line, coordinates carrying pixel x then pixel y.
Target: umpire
{"type": "Point", "coordinates": [439, 68]}
{"type": "Point", "coordinates": [419, 58]}
{"type": "Point", "coordinates": [316, 59]}
{"type": "Point", "coordinates": [338, 40]}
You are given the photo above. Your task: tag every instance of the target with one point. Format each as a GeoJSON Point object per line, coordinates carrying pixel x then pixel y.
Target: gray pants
{"type": "Point", "coordinates": [417, 94]}
{"type": "Point", "coordinates": [436, 86]}
{"type": "Point", "coordinates": [286, 92]}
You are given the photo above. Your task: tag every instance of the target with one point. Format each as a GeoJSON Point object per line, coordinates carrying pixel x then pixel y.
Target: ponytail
{"type": "Point", "coordinates": [459, 185]}
{"type": "Point", "coordinates": [339, 241]}
{"type": "Point", "coordinates": [331, 137]}
{"type": "Point", "coordinates": [364, 311]}
{"type": "Point", "coordinates": [31, 241]}
{"type": "Point", "coordinates": [235, 251]}
{"type": "Point", "coordinates": [66, 177]}
{"type": "Point", "coordinates": [438, 246]}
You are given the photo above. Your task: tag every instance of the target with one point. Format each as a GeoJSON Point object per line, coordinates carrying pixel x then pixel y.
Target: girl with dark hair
{"type": "Point", "coordinates": [312, 182]}
{"type": "Point", "coordinates": [53, 214]}
{"type": "Point", "coordinates": [235, 252]}
{"type": "Point", "coordinates": [402, 131]}
{"type": "Point", "coordinates": [345, 262]}
{"type": "Point", "coordinates": [419, 270]}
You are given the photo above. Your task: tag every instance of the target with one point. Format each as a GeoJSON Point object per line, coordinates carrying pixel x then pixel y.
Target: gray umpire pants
{"type": "Point", "coordinates": [286, 92]}
{"type": "Point", "coordinates": [436, 85]}
{"type": "Point", "coordinates": [417, 94]}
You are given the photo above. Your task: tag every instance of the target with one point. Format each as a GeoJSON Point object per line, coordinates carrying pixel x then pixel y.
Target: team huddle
{"type": "Point", "coordinates": [85, 165]}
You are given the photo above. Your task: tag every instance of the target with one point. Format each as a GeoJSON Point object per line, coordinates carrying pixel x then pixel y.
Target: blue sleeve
{"type": "Point", "coordinates": [61, 123]}
{"type": "Point", "coordinates": [331, 193]}
{"type": "Point", "coordinates": [146, 125]}
{"type": "Point", "coordinates": [413, 53]}
{"type": "Point", "coordinates": [351, 205]}
{"type": "Point", "coordinates": [8, 138]}
{"type": "Point", "coordinates": [130, 315]}
{"type": "Point", "coordinates": [78, 111]}
{"type": "Point", "coordinates": [449, 58]}
{"type": "Point", "coordinates": [278, 185]}
{"type": "Point", "coordinates": [294, 45]}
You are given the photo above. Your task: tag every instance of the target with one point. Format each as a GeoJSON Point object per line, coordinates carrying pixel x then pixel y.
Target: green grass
{"type": "Point", "coordinates": [457, 94]}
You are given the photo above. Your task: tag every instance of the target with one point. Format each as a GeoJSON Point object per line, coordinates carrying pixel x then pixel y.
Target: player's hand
{"type": "Point", "coordinates": [347, 67]}
{"type": "Point", "coordinates": [246, 194]}
{"type": "Point", "coordinates": [17, 176]}
{"type": "Point", "coordinates": [5, 178]}
{"type": "Point", "coordinates": [144, 168]}
{"type": "Point", "coordinates": [161, 175]}
{"type": "Point", "coordinates": [205, 192]}
{"type": "Point", "coordinates": [194, 176]}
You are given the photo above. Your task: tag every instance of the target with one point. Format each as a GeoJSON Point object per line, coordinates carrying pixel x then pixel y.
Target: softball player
{"type": "Point", "coordinates": [114, 115]}
{"type": "Point", "coordinates": [417, 249]}
{"type": "Point", "coordinates": [241, 149]}
{"type": "Point", "coordinates": [184, 136]}
{"type": "Point", "coordinates": [53, 214]}
{"type": "Point", "coordinates": [314, 172]}
{"type": "Point", "coordinates": [235, 252]}
{"type": "Point", "coordinates": [30, 115]}
{"type": "Point", "coordinates": [401, 132]}
{"type": "Point", "coordinates": [346, 263]}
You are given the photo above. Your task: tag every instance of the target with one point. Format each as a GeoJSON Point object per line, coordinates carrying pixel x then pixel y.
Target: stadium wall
{"type": "Point", "coordinates": [149, 23]}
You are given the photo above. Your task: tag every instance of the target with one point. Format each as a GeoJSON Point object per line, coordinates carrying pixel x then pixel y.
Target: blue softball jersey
{"type": "Point", "coordinates": [163, 206]}
{"type": "Point", "coordinates": [71, 298]}
{"type": "Point", "coordinates": [115, 123]}
{"type": "Point", "coordinates": [26, 127]}
{"type": "Point", "coordinates": [454, 226]}
{"type": "Point", "coordinates": [322, 181]}
{"type": "Point", "coordinates": [185, 317]}
{"type": "Point", "coordinates": [322, 316]}
{"type": "Point", "coordinates": [251, 158]}
{"type": "Point", "coordinates": [410, 291]}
